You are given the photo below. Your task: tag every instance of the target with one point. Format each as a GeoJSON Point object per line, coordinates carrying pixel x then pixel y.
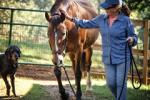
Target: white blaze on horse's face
{"type": "Point", "coordinates": [57, 33]}
{"type": "Point", "coordinates": [60, 33]}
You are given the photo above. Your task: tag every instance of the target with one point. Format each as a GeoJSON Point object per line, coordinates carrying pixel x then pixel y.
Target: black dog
{"type": "Point", "coordinates": [8, 66]}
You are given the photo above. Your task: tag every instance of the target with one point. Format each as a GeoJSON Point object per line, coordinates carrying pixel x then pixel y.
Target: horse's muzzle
{"type": "Point", "coordinates": [58, 59]}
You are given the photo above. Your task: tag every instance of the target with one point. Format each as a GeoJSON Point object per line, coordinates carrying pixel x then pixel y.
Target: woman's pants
{"type": "Point", "coordinates": [114, 78]}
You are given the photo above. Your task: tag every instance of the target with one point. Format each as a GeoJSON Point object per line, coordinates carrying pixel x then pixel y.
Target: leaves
{"type": "Point", "coordinates": [141, 6]}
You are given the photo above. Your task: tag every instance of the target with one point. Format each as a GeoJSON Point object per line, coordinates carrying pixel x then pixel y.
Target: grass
{"type": "Point", "coordinates": [30, 89]}
{"type": "Point", "coordinates": [37, 92]}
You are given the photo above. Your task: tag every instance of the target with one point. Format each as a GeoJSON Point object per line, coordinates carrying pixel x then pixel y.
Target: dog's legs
{"type": "Point", "coordinates": [12, 78]}
{"type": "Point", "coordinates": [7, 84]}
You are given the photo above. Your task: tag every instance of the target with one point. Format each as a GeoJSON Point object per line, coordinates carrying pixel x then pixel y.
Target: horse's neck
{"type": "Point", "coordinates": [82, 11]}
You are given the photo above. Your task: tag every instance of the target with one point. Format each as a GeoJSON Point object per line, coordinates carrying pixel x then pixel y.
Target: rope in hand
{"type": "Point", "coordinates": [132, 62]}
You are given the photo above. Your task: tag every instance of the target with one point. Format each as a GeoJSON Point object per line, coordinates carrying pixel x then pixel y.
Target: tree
{"type": "Point", "coordinates": [141, 6]}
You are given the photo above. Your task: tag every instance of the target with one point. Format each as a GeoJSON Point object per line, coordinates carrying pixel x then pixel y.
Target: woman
{"type": "Point", "coordinates": [116, 30]}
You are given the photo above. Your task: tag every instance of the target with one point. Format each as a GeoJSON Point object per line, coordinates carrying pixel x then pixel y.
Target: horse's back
{"type": "Point", "coordinates": [87, 11]}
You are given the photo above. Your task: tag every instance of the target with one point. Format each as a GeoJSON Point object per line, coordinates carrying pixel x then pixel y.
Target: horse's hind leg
{"type": "Point", "coordinates": [64, 95]}
{"type": "Point", "coordinates": [88, 62]}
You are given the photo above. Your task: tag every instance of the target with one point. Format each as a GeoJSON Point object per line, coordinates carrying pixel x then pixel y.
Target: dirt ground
{"type": "Point", "coordinates": [48, 80]}
{"type": "Point", "coordinates": [31, 78]}
{"type": "Point", "coordinates": [40, 72]}
{"type": "Point", "coordinates": [47, 73]}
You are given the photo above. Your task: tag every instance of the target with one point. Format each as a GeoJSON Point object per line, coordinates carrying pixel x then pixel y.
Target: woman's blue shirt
{"type": "Point", "coordinates": [113, 38]}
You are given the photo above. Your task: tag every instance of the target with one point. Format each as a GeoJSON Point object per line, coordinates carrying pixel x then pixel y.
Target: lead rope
{"type": "Point", "coordinates": [132, 61]}
{"type": "Point", "coordinates": [69, 81]}
{"type": "Point", "coordinates": [124, 71]}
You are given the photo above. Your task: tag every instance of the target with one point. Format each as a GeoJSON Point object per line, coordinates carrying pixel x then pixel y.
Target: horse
{"type": "Point", "coordinates": [66, 38]}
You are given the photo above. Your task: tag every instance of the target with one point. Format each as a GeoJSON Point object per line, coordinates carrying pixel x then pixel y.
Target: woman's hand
{"type": "Point", "coordinates": [66, 14]}
{"type": "Point", "coordinates": [130, 40]}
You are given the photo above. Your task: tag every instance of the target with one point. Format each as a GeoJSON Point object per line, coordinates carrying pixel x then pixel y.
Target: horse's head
{"type": "Point", "coordinates": [57, 33]}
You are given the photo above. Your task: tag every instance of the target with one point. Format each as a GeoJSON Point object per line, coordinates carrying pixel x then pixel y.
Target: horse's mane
{"type": "Point", "coordinates": [84, 3]}
{"type": "Point", "coordinates": [66, 3]}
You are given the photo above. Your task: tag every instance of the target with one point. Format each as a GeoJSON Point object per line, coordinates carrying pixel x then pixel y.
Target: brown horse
{"type": "Point", "coordinates": [65, 37]}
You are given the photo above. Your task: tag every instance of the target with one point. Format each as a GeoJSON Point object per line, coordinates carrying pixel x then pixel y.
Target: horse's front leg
{"type": "Point", "coordinates": [64, 95]}
{"type": "Point", "coordinates": [78, 75]}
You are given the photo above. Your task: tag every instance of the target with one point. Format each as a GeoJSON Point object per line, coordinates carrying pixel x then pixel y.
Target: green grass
{"type": "Point", "coordinates": [37, 92]}
{"type": "Point", "coordinates": [30, 89]}
{"type": "Point", "coordinates": [141, 94]}
{"type": "Point", "coordinates": [101, 91]}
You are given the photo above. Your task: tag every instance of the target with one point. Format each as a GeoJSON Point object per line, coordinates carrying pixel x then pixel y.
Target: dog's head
{"type": "Point", "coordinates": [13, 53]}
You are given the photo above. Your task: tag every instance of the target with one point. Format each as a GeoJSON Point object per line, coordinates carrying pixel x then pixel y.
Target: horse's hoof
{"type": "Point", "coordinates": [65, 96]}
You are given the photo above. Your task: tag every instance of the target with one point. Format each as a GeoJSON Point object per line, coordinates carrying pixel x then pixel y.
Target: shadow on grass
{"type": "Point", "coordinates": [51, 92]}
{"type": "Point", "coordinates": [37, 92]}
{"type": "Point", "coordinates": [138, 94]}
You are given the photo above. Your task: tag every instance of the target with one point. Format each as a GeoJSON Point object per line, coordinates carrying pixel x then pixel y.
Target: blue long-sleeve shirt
{"type": "Point", "coordinates": [113, 38]}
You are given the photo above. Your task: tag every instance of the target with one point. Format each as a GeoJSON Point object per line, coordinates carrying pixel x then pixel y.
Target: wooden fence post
{"type": "Point", "coordinates": [146, 56]}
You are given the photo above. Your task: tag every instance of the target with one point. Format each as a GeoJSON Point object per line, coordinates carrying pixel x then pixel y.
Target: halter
{"type": "Point", "coordinates": [63, 49]}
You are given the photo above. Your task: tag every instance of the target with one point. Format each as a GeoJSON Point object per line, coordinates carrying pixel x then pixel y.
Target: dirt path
{"type": "Point", "coordinates": [47, 73]}
{"type": "Point", "coordinates": [27, 76]}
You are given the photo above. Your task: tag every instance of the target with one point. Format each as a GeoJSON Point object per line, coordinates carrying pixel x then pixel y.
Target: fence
{"type": "Point", "coordinates": [28, 41]}
{"type": "Point", "coordinates": [143, 52]}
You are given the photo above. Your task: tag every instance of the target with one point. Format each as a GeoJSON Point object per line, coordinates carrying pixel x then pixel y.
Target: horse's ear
{"type": "Point", "coordinates": [62, 17]}
{"type": "Point", "coordinates": [48, 18]}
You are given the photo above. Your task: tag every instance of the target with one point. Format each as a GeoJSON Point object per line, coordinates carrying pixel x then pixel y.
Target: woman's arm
{"type": "Point", "coordinates": [93, 23]}
{"type": "Point", "coordinates": [132, 37]}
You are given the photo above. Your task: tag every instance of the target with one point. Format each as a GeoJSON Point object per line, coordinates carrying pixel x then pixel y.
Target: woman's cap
{"type": "Point", "coordinates": [108, 3]}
